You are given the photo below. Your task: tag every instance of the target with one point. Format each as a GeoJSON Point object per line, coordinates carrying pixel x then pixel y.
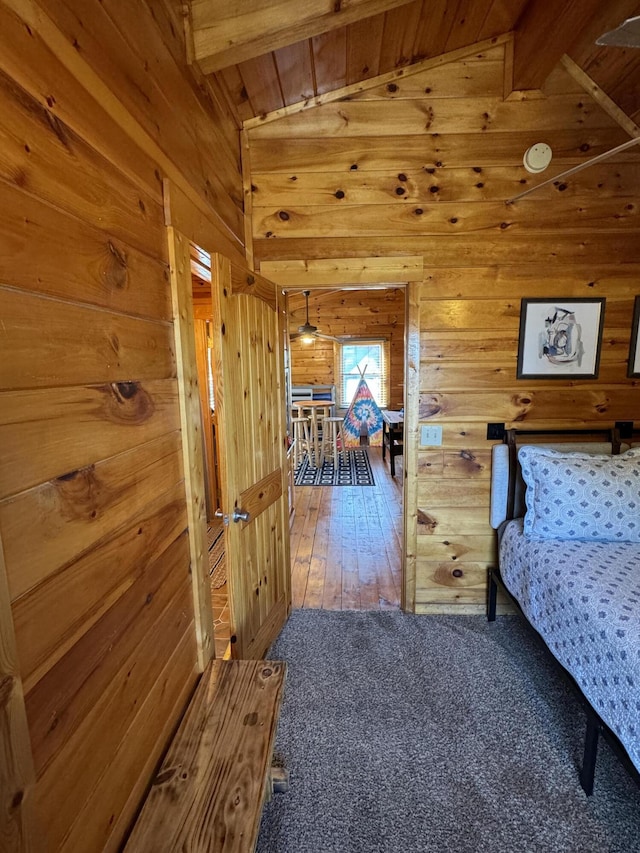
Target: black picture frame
{"type": "Point", "coordinates": [633, 370]}
{"type": "Point", "coordinates": [560, 338]}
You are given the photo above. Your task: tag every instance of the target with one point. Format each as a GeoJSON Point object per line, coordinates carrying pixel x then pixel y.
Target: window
{"type": "Point", "coordinates": [368, 356]}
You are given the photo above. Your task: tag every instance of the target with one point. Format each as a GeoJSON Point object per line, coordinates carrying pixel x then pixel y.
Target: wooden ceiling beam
{"type": "Point", "coordinates": [229, 33]}
{"type": "Point", "coordinates": [545, 32]}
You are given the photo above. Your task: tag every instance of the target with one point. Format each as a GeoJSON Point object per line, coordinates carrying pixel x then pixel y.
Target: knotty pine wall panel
{"type": "Point", "coordinates": [359, 118]}
{"type": "Point", "coordinates": [53, 343]}
{"type": "Point", "coordinates": [365, 314]}
{"type": "Point", "coordinates": [93, 522]}
{"type": "Point", "coordinates": [446, 218]}
{"type": "Point", "coordinates": [395, 154]}
{"type": "Point", "coordinates": [99, 269]}
{"type": "Point", "coordinates": [146, 79]}
{"type": "Point", "coordinates": [79, 509]}
{"type": "Point", "coordinates": [467, 249]}
{"type": "Point", "coordinates": [42, 154]}
{"type": "Point", "coordinates": [67, 602]}
{"type": "Point", "coordinates": [415, 185]}
{"type": "Point", "coordinates": [424, 167]}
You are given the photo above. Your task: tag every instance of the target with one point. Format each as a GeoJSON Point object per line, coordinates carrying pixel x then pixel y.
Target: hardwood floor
{"type": "Point", "coordinates": [346, 543]}
{"type": "Point", "coordinates": [346, 548]}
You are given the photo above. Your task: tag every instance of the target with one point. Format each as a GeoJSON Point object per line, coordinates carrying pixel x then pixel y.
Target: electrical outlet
{"type": "Point", "coordinates": [625, 428]}
{"type": "Point", "coordinates": [430, 436]}
{"type": "Point", "coordinates": [495, 432]}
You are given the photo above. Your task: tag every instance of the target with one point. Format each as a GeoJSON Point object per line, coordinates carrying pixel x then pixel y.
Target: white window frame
{"type": "Point", "coordinates": [383, 400]}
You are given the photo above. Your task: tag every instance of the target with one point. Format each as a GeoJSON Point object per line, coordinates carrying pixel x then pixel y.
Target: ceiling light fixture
{"type": "Point", "coordinates": [307, 330]}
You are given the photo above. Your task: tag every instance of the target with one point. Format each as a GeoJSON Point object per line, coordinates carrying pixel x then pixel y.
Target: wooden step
{"type": "Point", "coordinates": [209, 791]}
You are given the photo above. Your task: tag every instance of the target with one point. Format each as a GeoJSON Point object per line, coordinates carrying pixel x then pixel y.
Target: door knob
{"type": "Point", "coordinates": [240, 515]}
{"type": "Point", "coordinates": [220, 514]}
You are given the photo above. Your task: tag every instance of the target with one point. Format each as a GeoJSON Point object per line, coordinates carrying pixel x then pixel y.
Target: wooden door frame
{"type": "Point", "coordinates": [361, 273]}
{"type": "Point", "coordinates": [192, 446]}
{"type": "Point", "coordinates": [187, 223]}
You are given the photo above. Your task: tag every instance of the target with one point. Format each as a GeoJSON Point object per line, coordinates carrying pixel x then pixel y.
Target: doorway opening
{"type": "Point", "coordinates": [217, 559]}
{"type": "Point", "coordinates": [347, 541]}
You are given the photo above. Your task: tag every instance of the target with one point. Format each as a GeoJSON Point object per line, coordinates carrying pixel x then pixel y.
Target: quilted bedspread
{"type": "Point", "coordinates": [583, 598]}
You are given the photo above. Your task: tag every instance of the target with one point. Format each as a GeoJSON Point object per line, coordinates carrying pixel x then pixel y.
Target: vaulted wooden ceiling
{"type": "Point", "coordinates": [267, 54]}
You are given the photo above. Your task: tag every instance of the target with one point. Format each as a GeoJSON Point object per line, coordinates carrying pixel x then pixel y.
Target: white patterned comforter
{"type": "Point", "coordinates": [583, 598]}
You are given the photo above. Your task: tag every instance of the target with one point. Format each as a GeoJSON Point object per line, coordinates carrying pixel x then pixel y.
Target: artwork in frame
{"type": "Point", "coordinates": [634, 346]}
{"type": "Point", "coordinates": [560, 338]}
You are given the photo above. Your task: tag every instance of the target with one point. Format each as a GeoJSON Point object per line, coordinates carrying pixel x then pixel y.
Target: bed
{"type": "Point", "coordinates": [568, 522]}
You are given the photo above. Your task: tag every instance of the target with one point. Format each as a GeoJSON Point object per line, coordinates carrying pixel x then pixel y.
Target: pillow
{"type": "Point", "coordinates": [581, 495]}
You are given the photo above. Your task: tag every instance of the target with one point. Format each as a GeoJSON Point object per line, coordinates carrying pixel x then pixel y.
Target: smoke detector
{"type": "Point", "coordinates": [537, 157]}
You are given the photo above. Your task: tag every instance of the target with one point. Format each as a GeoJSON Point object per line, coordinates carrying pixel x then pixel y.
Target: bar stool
{"type": "Point", "coordinates": [300, 439]}
{"type": "Point", "coordinates": [317, 411]}
{"type": "Point", "coordinates": [331, 436]}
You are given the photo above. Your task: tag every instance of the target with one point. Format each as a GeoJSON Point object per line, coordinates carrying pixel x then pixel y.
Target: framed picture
{"type": "Point", "coordinates": [634, 348]}
{"type": "Point", "coordinates": [560, 338]}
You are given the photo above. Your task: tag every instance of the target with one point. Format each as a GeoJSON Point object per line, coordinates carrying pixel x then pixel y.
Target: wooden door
{"type": "Point", "coordinates": [250, 407]}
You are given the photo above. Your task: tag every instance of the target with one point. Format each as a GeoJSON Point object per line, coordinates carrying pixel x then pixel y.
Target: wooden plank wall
{"type": "Point", "coordinates": [366, 314]}
{"type": "Point", "coordinates": [423, 166]}
{"type": "Point", "coordinates": [93, 521]}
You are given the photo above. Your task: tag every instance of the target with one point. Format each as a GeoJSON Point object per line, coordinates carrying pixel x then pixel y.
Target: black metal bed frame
{"type": "Point", "coordinates": [595, 725]}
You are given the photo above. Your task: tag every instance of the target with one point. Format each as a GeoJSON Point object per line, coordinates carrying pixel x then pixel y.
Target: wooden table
{"type": "Point", "coordinates": [392, 436]}
{"type": "Point", "coordinates": [317, 409]}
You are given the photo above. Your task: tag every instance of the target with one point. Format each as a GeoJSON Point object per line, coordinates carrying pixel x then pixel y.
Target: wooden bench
{"type": "Point", "coordinates": [209, 792]}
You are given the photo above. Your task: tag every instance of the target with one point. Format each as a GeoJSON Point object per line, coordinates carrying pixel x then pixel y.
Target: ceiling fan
{"type": "Point", "coordinates": [307, 332]}
{"type": "Point", "coordinates": [625, 35]}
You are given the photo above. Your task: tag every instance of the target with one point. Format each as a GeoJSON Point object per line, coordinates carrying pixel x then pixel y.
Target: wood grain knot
{"type": "Point", "coordinates": [426, 520]}
{"type": "Point", "coordinates": [165, 776]}
{"type": "Point", "coordinates": [82, 495]}
{"type": "Point", "coordinates": [126, 402]}
{"type": "Point", "coordinates": [127, 390]}
{"type": "Point", "coordinates": [429, 408]}
{"type": "Point", "coordinates": [457, 573]}
{"type": "Point", "coordinates": [115, 270]}
{"type": "Point", "coordinates": [250, 719]}
{"type": "Point", "coordinates": [251, 280]}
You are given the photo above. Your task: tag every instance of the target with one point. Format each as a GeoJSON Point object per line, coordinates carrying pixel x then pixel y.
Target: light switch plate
{"type": "Point", "coordinates": [430, 436]}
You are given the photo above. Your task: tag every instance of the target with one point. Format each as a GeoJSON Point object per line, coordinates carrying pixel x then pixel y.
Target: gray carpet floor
{"type": "Point", "coordinates": [435, 733]}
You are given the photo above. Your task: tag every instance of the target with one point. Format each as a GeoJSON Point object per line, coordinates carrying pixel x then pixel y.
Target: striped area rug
{"type": "Point", "coordinates": [354, 469]}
